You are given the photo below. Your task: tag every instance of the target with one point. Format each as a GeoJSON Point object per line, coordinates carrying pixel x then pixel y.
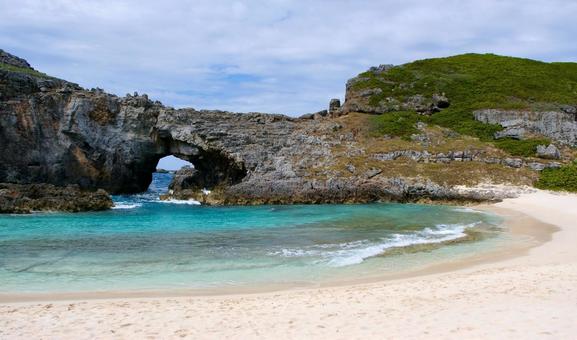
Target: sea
{"type": "Point", "coordinates": [148, 244]}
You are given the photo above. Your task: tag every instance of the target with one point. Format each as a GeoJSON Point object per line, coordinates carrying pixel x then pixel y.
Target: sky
{"type": "Point", "coordinates": [172, 163]}
{"type": "Point", "coordinates": [276, 56]}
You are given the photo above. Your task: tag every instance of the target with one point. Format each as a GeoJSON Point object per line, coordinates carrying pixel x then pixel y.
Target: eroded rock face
{"type": "Point", "coordinates": [560, 126]}
{"type": "Point", "coordinates": [27, 198]}
{"type": "Point", "coordinates": [55, 132]}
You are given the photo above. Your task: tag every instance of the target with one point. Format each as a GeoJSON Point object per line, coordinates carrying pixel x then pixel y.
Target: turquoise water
{"type": "Point", "coordinates": [148, 244]}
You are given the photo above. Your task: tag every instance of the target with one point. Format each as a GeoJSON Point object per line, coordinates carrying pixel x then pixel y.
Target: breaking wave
{"type": "Point", "coordinates": [469, 210]}
{"type": "Point", "coordinates": [172, 201]}
{"type": "Point", "coordinates": [346, 254]}
{"type": "Point", "coordinates": [126, 205]}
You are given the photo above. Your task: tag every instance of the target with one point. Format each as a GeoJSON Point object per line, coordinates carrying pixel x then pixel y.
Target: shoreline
{"type": "Point", "coordinates": [518, 225]}
{"type": "Point", "coordinates": [529, 294]}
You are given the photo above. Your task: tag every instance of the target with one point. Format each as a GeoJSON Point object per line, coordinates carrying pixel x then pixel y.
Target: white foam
{"type": "Point", "coordinates": [441, 233]}
{"type": "Point", "coordinates": [469, 210]}
{"type": "Point", "coordinates": [346, 254]}
{"type": "Point", "coordinates": [126, 206]}
{"type": "Point", "coordinates": [173, 201]}
{"type": "Point", "coordinates": [291, 252]}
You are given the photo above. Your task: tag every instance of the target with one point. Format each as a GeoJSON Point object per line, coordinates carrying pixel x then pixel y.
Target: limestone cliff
{"type": "Point", "coordinates": [56, 132]}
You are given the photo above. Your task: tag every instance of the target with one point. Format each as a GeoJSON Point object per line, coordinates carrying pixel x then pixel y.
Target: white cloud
{"type": "Point", "coordinates": [272, 56]}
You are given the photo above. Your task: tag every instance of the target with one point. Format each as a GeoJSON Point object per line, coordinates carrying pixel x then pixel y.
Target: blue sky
{"type": "Point", "coordinates": [171, 163]}
{"type": "Point", "coordinates": [277, 56]}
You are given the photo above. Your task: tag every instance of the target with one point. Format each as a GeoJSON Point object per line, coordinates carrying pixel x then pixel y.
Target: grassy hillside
{"type": "Point", "coordinates": [470, 82]}
{"type": "Point", "coordinates": [562, 179]}
{"type": "Point", "coordinates": [474, 81]}
{"type": "Point", "coordinates": [11, 68]}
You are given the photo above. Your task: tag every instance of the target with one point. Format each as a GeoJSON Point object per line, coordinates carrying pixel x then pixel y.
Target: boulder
{"type": "Point", "coordinates": [440, 101]}
{"type": "Point", "coordinates": [569, 109]}
{"type": "Point", "coordinates": [321, 114]}
{"type": "Point", "coordinates": [334, 107]}
{"type": "Point", "coordinates": [351, 168]}
{"type": "Point", "coordinates": [513, 162]}
{"type": "Point", "coordinates": [186, 178]}
{"type": "Point", "coordinates": [383, 68]}
{"type": "Point", "coordinates": [537, 166]}
{"type": "Point", "coordinates": [512, 132]}
{"type": "Point", "coordinates": [548, 152]}
{"type": "Point", "coordinates": [426, 105]}
{"type": "Point", "coordinates": [372, 173]}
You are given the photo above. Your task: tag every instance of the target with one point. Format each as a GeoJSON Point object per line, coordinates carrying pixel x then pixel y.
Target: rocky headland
{"type": "Point", "coordinates": [391, 140]}
{"type": "Point", "coordinates": [28, 198]}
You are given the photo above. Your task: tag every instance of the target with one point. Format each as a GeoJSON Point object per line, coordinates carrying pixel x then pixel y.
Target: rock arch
{"type": "Point", "coordinates": [213, 168]}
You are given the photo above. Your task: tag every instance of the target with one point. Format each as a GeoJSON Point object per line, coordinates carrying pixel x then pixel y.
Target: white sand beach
{"type": "Point", "coordinates": [529, 296]}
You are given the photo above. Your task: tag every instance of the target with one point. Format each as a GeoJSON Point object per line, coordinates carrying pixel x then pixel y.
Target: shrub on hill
{"type": "Point", "coordinates": [472, 82]}
{"type": "Point", "coordinates": [561, 179]}
{"type": "Point", "coordinates": [522, 148]}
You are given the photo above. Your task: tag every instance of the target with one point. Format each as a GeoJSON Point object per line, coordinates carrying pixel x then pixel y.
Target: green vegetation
{"type": "Point", "coordinates": [472, 82]}
{"type": "Point", "coordinates": [28, 71]}
{"type": "Point", "coordinates": [561, 179]}
{"type": "Point", "coordinates": [475, 81]}
{"type": "Point", "coordinates": [522, 148]}
{"type": "Point", "coordinates": [396, 124]}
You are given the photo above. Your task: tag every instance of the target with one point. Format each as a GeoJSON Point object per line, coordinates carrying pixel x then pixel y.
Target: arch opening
{"type": "Point", "coordinates": [210, 170]}
{"type": "Point", "coordinates": [164, 173]}
{"type": "Point", "coordinates": [192, 171]}
{"type": "Point", "coordinates": [171, 163]}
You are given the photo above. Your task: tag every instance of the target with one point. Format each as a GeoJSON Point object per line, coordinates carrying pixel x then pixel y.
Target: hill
{"type": "Point", "coordinates": [512, 104]}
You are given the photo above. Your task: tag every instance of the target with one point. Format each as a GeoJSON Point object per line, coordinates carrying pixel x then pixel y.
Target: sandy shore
{"type": "Point", "coordinates": [528, 293]}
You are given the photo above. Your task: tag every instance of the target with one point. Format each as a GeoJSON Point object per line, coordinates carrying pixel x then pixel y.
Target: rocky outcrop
{"type": "Point", "coordinates": [334, 107]}
{"type": "Point", "coordinates": [548, 152]}
{"type": "Point", "coordinates": [24, 199]}
{"type": "Point", "coordinates": [351, 190]}
{"type": "Point", "coordinates": [55, 132]}
{"type": "Point", "coordinates": [371, 99]}
{"type": "Point", "coordinates": [560, 126]}
{"type": "Point", "coordinates": [360, 101]}
{"type": "Point", "coordinates": [471, 156]}
{"type": "Point", "coordinates": [12, 60]}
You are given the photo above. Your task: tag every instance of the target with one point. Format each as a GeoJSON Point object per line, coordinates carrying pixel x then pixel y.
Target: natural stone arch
{"type": "Point", "coordinates": [213, 168]}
